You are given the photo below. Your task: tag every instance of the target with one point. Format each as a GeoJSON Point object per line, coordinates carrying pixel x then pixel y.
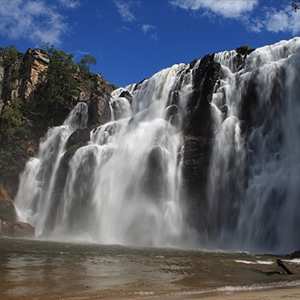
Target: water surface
{"type": "Point", "coordinates": [34, 269]}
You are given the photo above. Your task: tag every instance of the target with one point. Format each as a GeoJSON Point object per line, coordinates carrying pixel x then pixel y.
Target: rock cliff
{"type": "Point", "coordinates": [21, 76]}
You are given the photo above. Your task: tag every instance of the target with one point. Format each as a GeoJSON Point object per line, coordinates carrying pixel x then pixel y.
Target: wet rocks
{"type": "Point", "coordinates": [198, 137]}
{"type": "Point", "coordinates": [7, 209]}
{"type": "Point", "coordinates": [9, 226]}
{"type": "Point", "coordinates": [21, 229]}
{"type": "Point", "coordinates": [80, 136]}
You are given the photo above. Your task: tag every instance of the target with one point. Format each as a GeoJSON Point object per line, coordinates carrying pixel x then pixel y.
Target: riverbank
{"type": "Point", "coordinates": [291, 293]}
{"type": "Point", "coordinates": [277, 294]}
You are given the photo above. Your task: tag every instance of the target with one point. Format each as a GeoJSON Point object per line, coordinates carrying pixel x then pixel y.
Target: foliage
{"type": "Point", "coordinates": [57, 89]}
{"type": "Point", "coordinates": [15, 128]}
{"type": "Point", "coordinates": [60, 85]}
{"type": "Point", "coordinates": [23, 123]}
{"type": "Point", "coordinates": [85, 62]}
{"type": "Point", "coordinates": [8, 60]}
{"type": "Point", "coordinates": [8, 55]}
{"type": "Point", "coordinates": [244, 50]}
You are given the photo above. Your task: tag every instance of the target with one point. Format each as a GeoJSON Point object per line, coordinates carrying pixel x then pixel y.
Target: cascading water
{"type": "Point", "coordinates": [254, 191]}
{"type": "Point", "coordinates": [39, 180]}
{"type": "Point", "coordinates": [125, 185]}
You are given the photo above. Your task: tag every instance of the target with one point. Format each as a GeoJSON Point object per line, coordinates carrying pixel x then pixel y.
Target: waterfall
{"type": "Point", "coordinates": [123, 185]}
{"type": "Point", "coordinates": [254, 190]}
{"type": "Point", "coordinates": [152, 176]}
{"type": "Point", "coordinates": [38, 182]}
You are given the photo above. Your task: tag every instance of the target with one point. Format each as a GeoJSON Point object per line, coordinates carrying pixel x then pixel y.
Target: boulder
{"type": "Point", "coordinates": [3, 228]}
{"type": "Point", "coordinates": [80, 136]}
{"type": "Point", "coordinates": [127, 95]}
{"type": "Point", "coordinates": [22, 229]}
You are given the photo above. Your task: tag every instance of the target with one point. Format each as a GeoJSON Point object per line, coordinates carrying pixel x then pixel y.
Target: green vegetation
{"type": "Point", "coordinates": [244, 50]}
{"type": "Point", "coordinates": [15, 129]}
{"type": "Point", "coordinates": [23, 122]}
{"type": "Point", "coordinates": [9, 55]}
{"type": "Point", "coordinates": [57, 89]}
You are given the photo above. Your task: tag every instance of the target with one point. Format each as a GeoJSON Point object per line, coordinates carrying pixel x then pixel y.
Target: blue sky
{"type": "Point", "coordinates": [131, 40]}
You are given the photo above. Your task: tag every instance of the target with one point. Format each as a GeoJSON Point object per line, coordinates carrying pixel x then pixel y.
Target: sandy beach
{"type": "Point", "coordinates": [274, 294]}
{"type": "Point", "coordinates": [290, 293]}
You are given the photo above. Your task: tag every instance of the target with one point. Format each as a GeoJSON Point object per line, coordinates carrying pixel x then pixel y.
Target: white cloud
{"type": "Point", "coordinates": [124, 9]}
{"type": "Point", "coordinates": [147, 27]}
{"type": "Point", "coordinates": [150, 30]}
{"type": "Point", "coordinates": [225, 8]}
{"type": "Point", "coordinates": [69, 3]}
{"type": "Point", "coordinates": [35, 20]}
{"type": "Point", "coordinates": [271, 19]}
{"type": "Point", "coordinates": [282, 20]}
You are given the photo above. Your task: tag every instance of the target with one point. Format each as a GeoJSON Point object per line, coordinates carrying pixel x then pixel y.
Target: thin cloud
{"type": "Point", "coordinates": [228, 9]}
{"type": "Point", "coordinates": [124, 9]}
{"type": "Point", "coordinates": [71, 4]}
{"type": "Point", "coordinates": [270, 18]}
{"type": "Point", "coordinates": [284, 20]}
{"type": "Point", "coordinates": [35, 20]}
{"type": "Point", "coordinates": [150, 30]}
{"type": "Point", "coordinates": [147, 27]}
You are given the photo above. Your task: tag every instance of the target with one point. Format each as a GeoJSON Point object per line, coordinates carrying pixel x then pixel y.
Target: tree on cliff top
{"type": "Point", "coordinates": [57, 89]}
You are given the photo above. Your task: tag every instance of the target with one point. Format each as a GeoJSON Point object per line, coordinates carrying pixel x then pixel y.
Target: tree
{"type": "Point", "coordinates": [9, 61]}
{"type": "Point", "coordinates": [8, 55]}
{"type": "Point", "coordinates": [15, 129]}
{"type": "Point", "coordinates": [57, 89]}
{"type": "Point", "coordinates": [85, 62]}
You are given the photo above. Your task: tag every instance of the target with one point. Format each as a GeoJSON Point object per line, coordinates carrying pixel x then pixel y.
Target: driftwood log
{"type": "Point", "coordinates": [283, 266]}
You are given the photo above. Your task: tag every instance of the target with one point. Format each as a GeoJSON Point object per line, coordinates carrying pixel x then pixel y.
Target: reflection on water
{"type": "Point", "coordinates": [49, 270]}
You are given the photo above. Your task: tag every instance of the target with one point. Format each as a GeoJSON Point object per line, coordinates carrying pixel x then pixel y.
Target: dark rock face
{"type": "Point", "coordinates": [8, 224]}
{"type": "Point", "coordinates": [80, 136]}
{"type": "Point", "coordinates": [127, 95]}
{"type": "Point", "coordinates": [7, 211]}
{"type": "Point", "coordinates": [35, 61]}
{"type": "Point", "coordinates": [198, 140]}
{"type": "Point", "coordinates": [99, 107]}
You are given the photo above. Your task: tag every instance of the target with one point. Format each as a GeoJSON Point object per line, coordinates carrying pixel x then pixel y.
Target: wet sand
{"type": "Point", "coordinates": [274, 294]}
{"type": "Point", "coordinates": [290, 293]}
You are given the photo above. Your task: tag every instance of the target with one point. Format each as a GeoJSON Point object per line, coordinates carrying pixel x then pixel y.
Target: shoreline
{"type": "Point", "coordinates": [268, 293]}
{"type": "Point", "coordinates": [292, 293]}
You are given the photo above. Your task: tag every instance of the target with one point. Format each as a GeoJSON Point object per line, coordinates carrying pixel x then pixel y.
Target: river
{"type": "Point", "coordinates": [36, 269]}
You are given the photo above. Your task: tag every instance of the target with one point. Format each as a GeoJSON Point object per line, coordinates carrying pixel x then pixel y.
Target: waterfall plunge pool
{"type": "Point", "coordinates": [36, 269]}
